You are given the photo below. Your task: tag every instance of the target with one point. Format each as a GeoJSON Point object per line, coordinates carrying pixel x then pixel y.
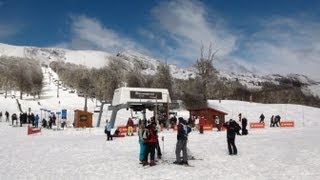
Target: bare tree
{"type": "Point", "coordinates": [205, 70]}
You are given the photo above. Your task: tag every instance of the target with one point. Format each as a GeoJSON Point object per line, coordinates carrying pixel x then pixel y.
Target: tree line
{"type": "Point", "coordinates": [21, 74]}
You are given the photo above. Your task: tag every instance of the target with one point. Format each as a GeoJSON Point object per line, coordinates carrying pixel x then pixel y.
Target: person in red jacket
{"type": "Point", "coordinates": [130, 125]}
{"type": "Point", "coordinates": [201, 124]}
{"type": "Point", "coordinates": [150, 137]}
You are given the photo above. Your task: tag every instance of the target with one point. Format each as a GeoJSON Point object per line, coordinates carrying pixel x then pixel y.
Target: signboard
{"type": "Point", "coordinates": [287, 124]}
{"type": "Point", "coordinates": [256, 125]}
{"type": "Point", "coordinates": [83, 117]}
{"type": "Point", "coordinates": [145, 95]}
{"type": "Point", "coordinates": [64, 114]}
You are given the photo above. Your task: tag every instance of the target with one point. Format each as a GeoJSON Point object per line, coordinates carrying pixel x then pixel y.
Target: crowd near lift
{"type": "Point", "coordinates": [138, 99]}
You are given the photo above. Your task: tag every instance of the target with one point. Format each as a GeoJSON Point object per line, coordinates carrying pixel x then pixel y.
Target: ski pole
{"type": "Point", "coordinates": [162, 139]}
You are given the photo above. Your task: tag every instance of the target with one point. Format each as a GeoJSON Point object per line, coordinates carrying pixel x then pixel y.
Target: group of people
{"type": "Point", "coordinates": [6, 114]}
{"type": "Point", "coordinates": [24, 118]}
{"type": "Point", "coordinates": [148, 140]}
{"type": "Point", "coordinates": [149, 143]}
{"type": "Point", "coordinates": [274, 120]}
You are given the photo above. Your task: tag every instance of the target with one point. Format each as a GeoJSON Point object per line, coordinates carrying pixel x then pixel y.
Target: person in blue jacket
{"type": "Point", "coordinates": [107, 130]}
{"type": "Point", "coordinates": [36, 121]}
{"type": "Point", "coordinates": [141, 129]}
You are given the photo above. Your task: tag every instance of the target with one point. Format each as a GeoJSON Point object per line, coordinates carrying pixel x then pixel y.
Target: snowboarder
{"type": "Point", "coordinates": [182, 138]}
{"type": "Point", "coordinates": [233, 128]}
{"type": "Point", "coordinates": [262, 118]}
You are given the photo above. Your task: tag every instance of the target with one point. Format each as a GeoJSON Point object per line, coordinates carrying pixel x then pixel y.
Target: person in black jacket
{"type": "Point", "coordinates": [233, 128]}
{"type": "Point", "coordinates": [244, 123]}
{"type": "Point", "coordinates": [182, 136]}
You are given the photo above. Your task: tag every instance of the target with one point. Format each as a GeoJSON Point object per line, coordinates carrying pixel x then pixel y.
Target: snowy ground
{"type": "Point", "coordinates": [270, 153]}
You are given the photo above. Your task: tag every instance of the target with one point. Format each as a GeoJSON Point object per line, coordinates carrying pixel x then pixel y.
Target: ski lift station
{"type": "Point", "coordinates": [138, 99]}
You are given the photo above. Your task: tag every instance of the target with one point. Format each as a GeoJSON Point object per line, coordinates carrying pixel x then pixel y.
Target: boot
{"type": "Point", "coordinates": [145, 163]}
{"type": "Point", "coordinates": [152, 163]}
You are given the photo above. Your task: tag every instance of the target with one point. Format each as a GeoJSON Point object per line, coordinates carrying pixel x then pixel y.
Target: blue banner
{"type": "Point", "coordinates": [64, 114]}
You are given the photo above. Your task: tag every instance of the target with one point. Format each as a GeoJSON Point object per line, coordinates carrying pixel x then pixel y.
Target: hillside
{"type": "Point", "coordinates": [252, 83]}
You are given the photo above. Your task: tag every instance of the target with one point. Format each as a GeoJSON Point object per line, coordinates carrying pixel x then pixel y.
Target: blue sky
{"type": "Point", "coordinates": [274, 36]}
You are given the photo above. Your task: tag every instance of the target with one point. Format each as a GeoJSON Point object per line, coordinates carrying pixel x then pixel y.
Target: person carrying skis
{"type": "Point", "coordinates": [182, 136]}
{"type": "Point", "coordinates": [233, 128]}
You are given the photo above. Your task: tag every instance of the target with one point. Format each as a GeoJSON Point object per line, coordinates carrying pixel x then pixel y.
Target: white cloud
{"type": "Point", "coordinates": [89, 33]}
{"type": "Point", "coordinates": [188, 26]}
{"type": "Point", "coordinates": [286, 45]}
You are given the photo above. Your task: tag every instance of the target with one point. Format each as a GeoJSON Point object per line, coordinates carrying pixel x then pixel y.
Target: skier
{"type": "Point", "coordinates": [232, 129]}
{"type": "Point", "coordinates": [141, 129]}
{"type": "Point", "coordinates": [107, 130]}
{"type": "Point", "coordinates": [0, 116]}
{"type": "Point", "coordinates": [150, 139]}
{"type": "Point", "coordinates": [262, 118]}
{"type": "Point", "coordinates": [182, 136]}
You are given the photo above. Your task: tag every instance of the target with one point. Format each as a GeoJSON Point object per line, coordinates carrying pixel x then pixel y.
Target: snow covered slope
{"type": "Point", "coordinates": [148, 65]}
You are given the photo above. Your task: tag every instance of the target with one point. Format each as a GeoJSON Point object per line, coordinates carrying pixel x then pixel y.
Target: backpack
{"type": "Point", "coordinates": [186, 130]}
{"type": "Point", "coordinates": [146, 134]}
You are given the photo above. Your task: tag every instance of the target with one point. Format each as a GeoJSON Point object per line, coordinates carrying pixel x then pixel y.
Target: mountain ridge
{"type": "Point", "coordinates": [98, 59]}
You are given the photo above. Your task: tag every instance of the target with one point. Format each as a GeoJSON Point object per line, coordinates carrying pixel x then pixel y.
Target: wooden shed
{"type": "Point", "coordinates": [82, 118]}
{"type": "Point", "coordinates": [209, 114]}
